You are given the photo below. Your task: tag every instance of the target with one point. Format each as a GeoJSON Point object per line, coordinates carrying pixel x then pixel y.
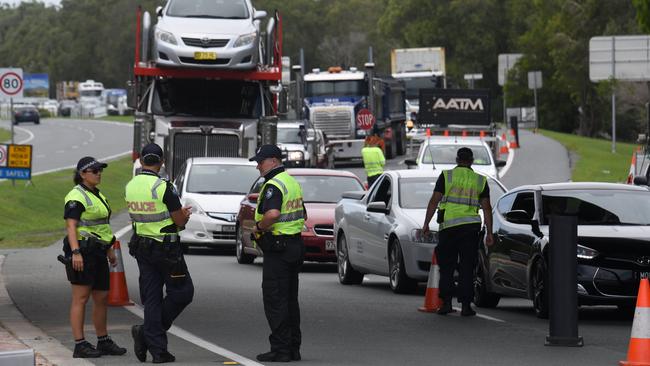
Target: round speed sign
{"type": "Point", "coordinates": [11, 83]}
{"type": "Point", "coordinates": [365, 119]}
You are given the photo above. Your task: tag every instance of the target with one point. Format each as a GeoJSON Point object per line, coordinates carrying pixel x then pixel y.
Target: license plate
{"type": "Point", "coordinates": [229, 229]}
{"type": "Point", "coordinates": [205, 55]}
{"type": "Point", "coordinates": [329, 245]}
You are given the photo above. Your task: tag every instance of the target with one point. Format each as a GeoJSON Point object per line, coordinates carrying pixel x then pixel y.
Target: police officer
{"type": "Point", "coordinates": [460, 193]}
{"type": "Point", "coordinates": [373, 159]}
{"type": "Point", "coordinates": [87, 246]}
{"type": "Point", "coordinates": [279, 220]}
{"type": "Point", "coordinates": [157, 216]}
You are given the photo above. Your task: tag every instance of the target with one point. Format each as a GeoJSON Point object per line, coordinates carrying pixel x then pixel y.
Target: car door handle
{"type": "Point", "coordinates": [366, 217]}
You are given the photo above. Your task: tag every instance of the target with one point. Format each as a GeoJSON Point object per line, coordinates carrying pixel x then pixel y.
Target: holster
{"type": "Point", "coordinates": [441, 216]}
{"type": "Point", "coordinates": [272, 243]}
{"type": "Point", "coordinates": [74, 276]}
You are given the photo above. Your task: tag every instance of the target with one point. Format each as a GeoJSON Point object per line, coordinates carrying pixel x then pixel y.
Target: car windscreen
{"type": "Point", "coordinates": [341, 88]}
{"type": "Point", "coordinates": [415, 193]}
{"type": "Point", "coordinates": [289, 136]}
{"type": "Point", "coordinates": [326, 188]}
{"type": "Point", "coordinates": [220, 179]}
{"type": "Point", "coordinates": [206, 98]}
{"type": "Point", "coordinates": [220, 9]}
{"type": "Point", "coordinates": [446, 154]}
{"type": "Point", "coordinates": [599, 206]}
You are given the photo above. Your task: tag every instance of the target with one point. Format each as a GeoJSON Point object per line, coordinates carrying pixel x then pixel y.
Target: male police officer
{"type": "Point", "coordinates": [279, 220]}
{"type": "Point", "coordinates": [460, 192]}
{"type": "Point", "coordinates": [157, 216]}
{"type": "Point", "coordinates": [373, 159]}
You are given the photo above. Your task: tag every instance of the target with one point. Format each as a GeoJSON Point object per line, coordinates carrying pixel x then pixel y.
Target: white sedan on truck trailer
{"type": "Point", "coordinates": [214, 187]}
{"type": "Point", "coordinates": [379, 231]}
{"type": "Point", "coordinates": [439, 153]}
{"type": "Point", "coordinates": [212, 34]}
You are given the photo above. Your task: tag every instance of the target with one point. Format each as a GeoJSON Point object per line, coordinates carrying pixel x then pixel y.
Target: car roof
{"type": "Point", "coordinates": [564, 186]}
{"type": "Point", "coordinates": [455, 140]}
{"type": "Point", "coordinates": [221, 161]}
{"type": "Point", "coordinates": [419, 173]}
{"type": "Point", "coordinates": [327, 172]}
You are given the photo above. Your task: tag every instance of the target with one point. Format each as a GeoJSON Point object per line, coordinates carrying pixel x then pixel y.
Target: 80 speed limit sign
{"type": "Point", "coordinates": [11, 83]}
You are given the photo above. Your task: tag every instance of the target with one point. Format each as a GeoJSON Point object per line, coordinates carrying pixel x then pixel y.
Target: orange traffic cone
{"type": "Point", "coordinates": [630, 175]}
{"type": "Point", "coordinates": [513, 144]}
{"type": "Point", "coordinates": [446, 133]}
{"type": "Point", "coordinates": [432, 300]}
{"type": "Point", "coordinates": [482, 134]}
{"type": "Point", "coordinates": [118, 294]}
{"type": "Point", "coordinates": [428, 132]}
{"type": "Point", "coordinates": [638, 353]}
{"type": "Point", "coordinates": [464, 134]}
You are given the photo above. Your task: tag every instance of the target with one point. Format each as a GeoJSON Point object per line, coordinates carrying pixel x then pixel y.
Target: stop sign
{"type": "Point", "coordinates": [365, 119]}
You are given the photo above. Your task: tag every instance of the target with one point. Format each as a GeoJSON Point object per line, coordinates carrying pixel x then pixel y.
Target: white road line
{"type": "Point", "coordinates": [120, 233]}
{"type": "Point", "coordinates": [198, 341]}
{"type": "Point", "coordinates": [511, 158]}
{"type": "Point", "coordinates": [106, 158]}
{"type": "Point", "coordinates": [484, 316]}
{"type": "Point", "coordinates": [28, 132]}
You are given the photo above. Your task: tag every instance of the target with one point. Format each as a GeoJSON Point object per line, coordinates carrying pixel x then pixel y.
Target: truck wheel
{"type": "Point", "coordinates": [391, 148]}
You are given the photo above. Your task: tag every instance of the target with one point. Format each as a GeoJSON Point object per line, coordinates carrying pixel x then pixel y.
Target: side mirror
{"type": "Point", "coordinates": [518, 217]}
{"type": "Point", "coordinates": [259, 14]}
{"type": "Point", "coordinates": [410, 163]}
{"type": "Point", "coordinates": [252, 198]}
{"type": "Point", "coordinates": [377, 207]}
{"type": "Point", "coordinates": [641, 181]}
{"type": "Point", "coordinates": [159, 11]}
{"type": "Point", "coordinates": [500, 163]}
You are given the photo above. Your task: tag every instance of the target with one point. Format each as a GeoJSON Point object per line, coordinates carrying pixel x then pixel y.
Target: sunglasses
{"type": "Point", "coordinates": [94, 171]}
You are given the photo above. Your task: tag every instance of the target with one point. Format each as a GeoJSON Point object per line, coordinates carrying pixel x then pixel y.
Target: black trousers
{"type": "Point", "coordinates": [159, 311]}
{"type": "Point", "coordinates": [280, 294]}
{"type": "Point", "coordinates": [372, 179]}
{"type": "Point", "coordinates": [458, 248]}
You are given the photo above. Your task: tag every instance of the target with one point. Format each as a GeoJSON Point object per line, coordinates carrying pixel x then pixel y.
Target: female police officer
{"type": "Point", "coordinates": [88, 243]}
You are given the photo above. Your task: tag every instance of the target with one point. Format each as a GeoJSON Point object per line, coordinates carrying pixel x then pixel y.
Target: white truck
{"type": "Point", "coordinates": [90, 99]}
{"type": "Point", "coordinates": [419, 68]}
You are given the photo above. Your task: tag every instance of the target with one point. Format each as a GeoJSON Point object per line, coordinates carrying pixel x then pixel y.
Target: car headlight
{"type": "Point", "coordinates": [166, 37]}
{"type": "Point", "coordinates": [586, 253]}
{"type": "Point", "coordinates": [196, 209]}
{"type": "Point", "coordinates": [417, 236]}
{"type": "Point", "coordinates": [295, 156]}
{"type": "Point", "coordinates": [245, 40]}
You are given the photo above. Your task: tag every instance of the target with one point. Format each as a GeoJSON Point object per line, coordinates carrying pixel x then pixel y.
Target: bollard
{"type": "Point", "coordinates": [563, 282]}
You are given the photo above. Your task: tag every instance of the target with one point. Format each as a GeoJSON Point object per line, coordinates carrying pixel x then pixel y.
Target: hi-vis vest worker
{"type": "Point", "coordinates": [460, 202]}
{"type": "Point", "coordinates": [94, 219]}
{"type": "Point", "coordinates": [144, 198]}
{"type": "Point", "coordinates": [373, 160]}
{"type": "Point", "coordinates": [291, 220]}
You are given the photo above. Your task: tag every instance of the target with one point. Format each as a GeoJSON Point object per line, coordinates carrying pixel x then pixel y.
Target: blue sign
{"type": "Point", "coordinates": [36, 85]}
{"type": "Point", "coordinates": [15, 173]}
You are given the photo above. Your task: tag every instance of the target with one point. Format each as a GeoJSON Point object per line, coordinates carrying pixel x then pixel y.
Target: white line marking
{"type": "Point", "coordinates": [484, 316]}
{"type": "Point", "coordinates": [28, 132]}
{"type": "Point", "coordinates": [75, 146]}
{"type": "Point", "coordinates": [106, 158]}
{"type": "Point", "coordinates": [120, 233]}
{"type": "Point", "coordinates": [511, 158]}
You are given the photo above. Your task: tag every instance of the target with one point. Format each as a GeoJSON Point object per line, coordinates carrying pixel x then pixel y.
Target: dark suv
{"type": "Point", "coordinates": [26, 113]}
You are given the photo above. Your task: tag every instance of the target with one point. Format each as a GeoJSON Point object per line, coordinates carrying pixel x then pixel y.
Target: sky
{"type": "Point", "coordinates": [14, 2]}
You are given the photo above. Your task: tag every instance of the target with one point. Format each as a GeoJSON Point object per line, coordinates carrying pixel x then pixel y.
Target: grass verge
{"type": "Point", "coordinates": [32, 215]}
{"type": "Point", "coordinates": [5, 135]}
{"type": "Point", "coordinates": [123, 119]}
{"type": "Point", "coordinates": [596, 162]}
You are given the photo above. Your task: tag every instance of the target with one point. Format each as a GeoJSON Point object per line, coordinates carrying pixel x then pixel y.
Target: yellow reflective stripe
{"type": "Point", "coordinates": [459, 221]}
{"type": "Point", "coordinates": [89, 202]}
{"type": "Point", "coordinates": [450, 174]}
{"type": "Point", "coordinates": [463, 192]}
{"type": "Point", "coordinates": [464, 201]}
{"type": "Point", "coordinates": [292, 216]}
{"type": "Point", "coordinates": [284, 188]}
{"type": "Point", "coordinates": [148, 218]}
{"type": "Point", "coordinates": [93, 222]}
{"type": "Point", "coordinates": [154, 193]}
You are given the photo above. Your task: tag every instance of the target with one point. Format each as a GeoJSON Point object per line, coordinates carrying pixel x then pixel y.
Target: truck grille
{"type": "Point", "coordinates": [194, 145]}
{"type": "Point", "coordinates": [209, 43]}
{"type": "Point", "coordinates": [324, 230]}
{"type": "Point", "coordinates": [333, 122]}
{"type": "Point", "coordinates": [224, 235]}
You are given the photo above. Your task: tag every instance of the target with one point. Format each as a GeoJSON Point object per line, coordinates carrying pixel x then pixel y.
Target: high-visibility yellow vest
{"type": "Point", "coordinates": [292, 215]}
{"type": "Point", "coordinates": [94, 220]}
{"type": "Point", "coordinates": [461, 200]}
{"type": "Point", "coordinates": [373, 160]}
{"type": "Point", "coordinates": [144, 199]}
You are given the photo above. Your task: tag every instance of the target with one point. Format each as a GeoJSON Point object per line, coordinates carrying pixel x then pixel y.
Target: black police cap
{"type": "Point", "coordinates": [88, 162]}
{"type": "Point", "coordinates": [152, 152]}
{"type": "Point", "coordinates": [265, 152]}
{"type": "Point", "coordinates": [465, 154]}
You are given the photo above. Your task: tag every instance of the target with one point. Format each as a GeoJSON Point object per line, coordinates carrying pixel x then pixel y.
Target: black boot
{"type": "Point", "coordinates": [467, 309]}
{"type": "Point", "coordinates": [108, 347]}
{"type": "Point", "coordinates": [446, 307]}
{"type": "Point", "coordinates": [295, 355]}
{"type": "Point", "coordinates": [163, 358]}
{"type": "Point", "coordinates": [85, 350]}
{"type": "Point", "coordinates": [274, 357]}
{"type": "Point", "coordinates": [139, 346]}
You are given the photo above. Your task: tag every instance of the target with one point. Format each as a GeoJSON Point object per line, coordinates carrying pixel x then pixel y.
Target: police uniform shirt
{"type": "Point", "coordinates": [272, 196]}
{"type": "Point", "coordinates": [74, 209]}
{"type": "Point", "coordinates": [440, 187]}
{"type": "Point", "coordinates": [170, 199]}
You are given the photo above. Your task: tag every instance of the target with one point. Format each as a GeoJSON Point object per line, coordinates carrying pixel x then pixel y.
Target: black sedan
{"type": "Point", "coordinates": [26, 113]}
{"type": "Point", "coordinates": [613, 243]}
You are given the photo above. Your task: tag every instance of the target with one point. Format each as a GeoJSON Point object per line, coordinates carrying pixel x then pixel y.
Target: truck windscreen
{"type": "Point", "coordinates": [414, 85]}
{"type": "Point", "coordinates": [342, 88]}
{"type": "Point", "coordinates": [207, 98]}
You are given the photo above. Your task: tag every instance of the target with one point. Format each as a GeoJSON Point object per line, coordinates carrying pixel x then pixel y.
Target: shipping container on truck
{"type": "Point", "coordinates": [200, 112]}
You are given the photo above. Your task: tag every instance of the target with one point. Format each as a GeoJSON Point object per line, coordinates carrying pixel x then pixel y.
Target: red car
{"type": "Point", "coordinates": [321, 189]}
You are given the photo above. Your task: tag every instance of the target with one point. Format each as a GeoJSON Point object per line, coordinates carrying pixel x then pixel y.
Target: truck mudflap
{"type": "Point", "coordinates": [346, 149]}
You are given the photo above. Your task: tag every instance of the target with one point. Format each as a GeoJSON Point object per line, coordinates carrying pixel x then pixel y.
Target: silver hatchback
{"type": "Point", "coordinates": [222, 34]}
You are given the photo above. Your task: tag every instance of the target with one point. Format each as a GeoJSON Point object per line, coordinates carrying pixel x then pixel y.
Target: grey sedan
{"type": "Point", "coordinates": [379, 231]}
